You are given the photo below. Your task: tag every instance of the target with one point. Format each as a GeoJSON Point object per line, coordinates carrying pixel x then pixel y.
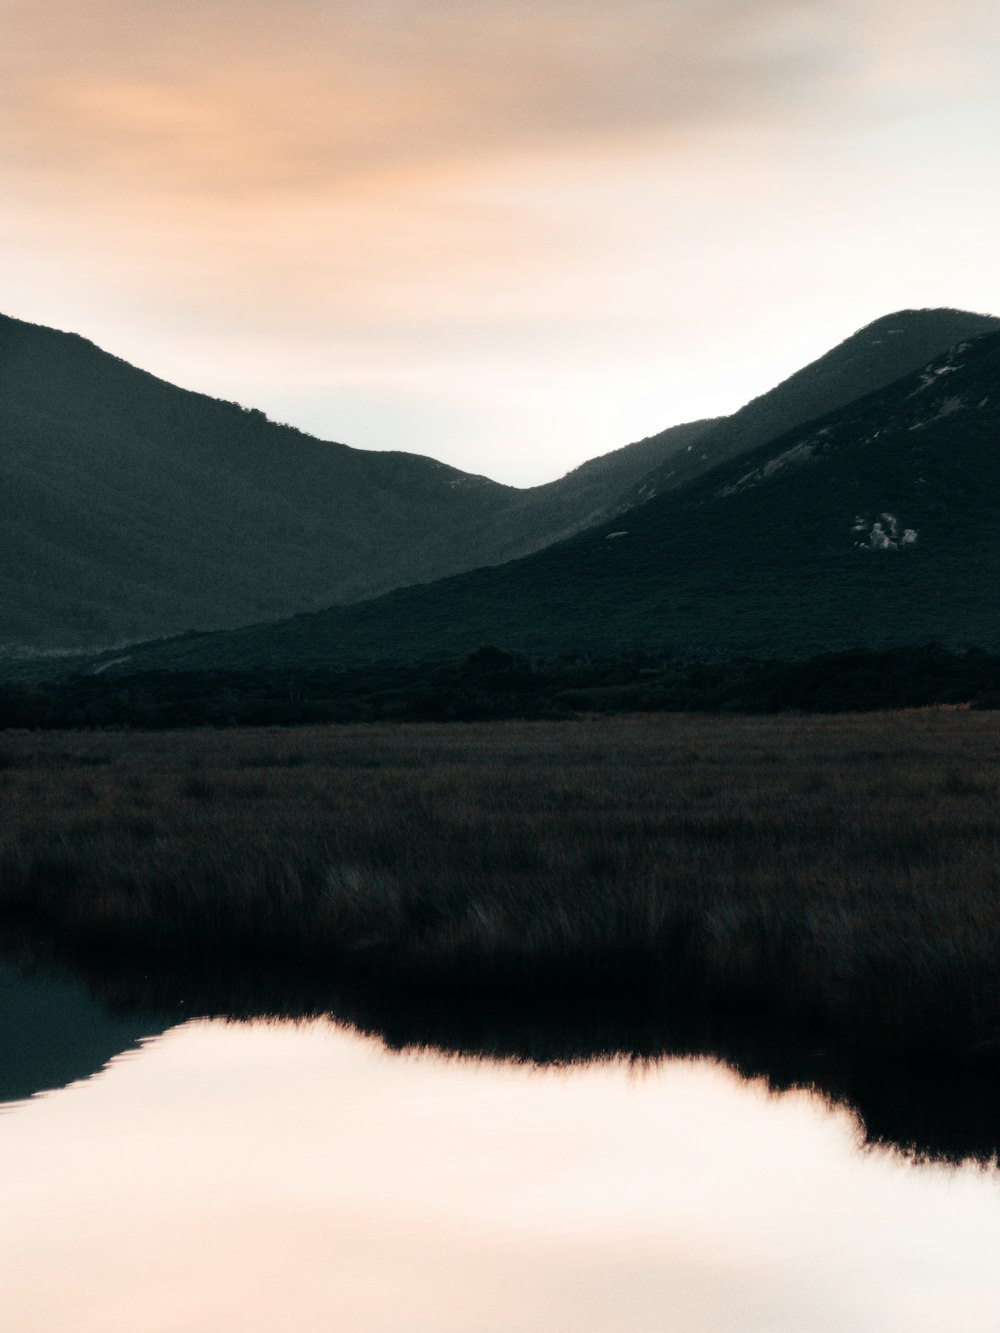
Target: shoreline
{"type": "Point", "coordinates": [840, 873]}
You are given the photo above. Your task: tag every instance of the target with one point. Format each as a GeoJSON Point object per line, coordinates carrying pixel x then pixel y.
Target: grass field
{"type": "Point", "coordinates": [839, 873]}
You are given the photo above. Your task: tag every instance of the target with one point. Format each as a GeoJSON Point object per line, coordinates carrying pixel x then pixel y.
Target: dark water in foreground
{"type": "Point", "coordinates": [262, 1175]}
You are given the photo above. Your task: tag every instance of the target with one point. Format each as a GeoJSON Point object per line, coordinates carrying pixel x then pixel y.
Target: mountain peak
{"type": "Point", "coordinates": [873, 357]}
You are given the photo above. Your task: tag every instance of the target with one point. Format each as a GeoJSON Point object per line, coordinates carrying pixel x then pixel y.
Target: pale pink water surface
{"type": "Point", "coordinates": [269, 1177]}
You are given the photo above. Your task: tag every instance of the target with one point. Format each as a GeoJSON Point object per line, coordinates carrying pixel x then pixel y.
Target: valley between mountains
{"type": "Point", "coordinates": [856, 505]}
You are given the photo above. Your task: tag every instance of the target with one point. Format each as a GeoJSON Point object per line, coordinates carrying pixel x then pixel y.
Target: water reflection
{"type": "Point", "coordinates": [54, 1031]}
{"type": "Point", "coordinates": [261, 1176]}
{"type": "Point", "coordinates": [94, 1008]}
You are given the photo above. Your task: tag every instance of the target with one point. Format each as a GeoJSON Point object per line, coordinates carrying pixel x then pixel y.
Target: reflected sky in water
{"type": "Point", "coordinates": [260, 1177]}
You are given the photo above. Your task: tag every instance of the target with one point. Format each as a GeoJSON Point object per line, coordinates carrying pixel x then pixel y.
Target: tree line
{"type": "Point", "coordinates": [491, 683]}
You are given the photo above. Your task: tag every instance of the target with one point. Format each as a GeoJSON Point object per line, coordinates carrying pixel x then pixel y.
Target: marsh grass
{"type": "Point", "coordinates": [838, 874]}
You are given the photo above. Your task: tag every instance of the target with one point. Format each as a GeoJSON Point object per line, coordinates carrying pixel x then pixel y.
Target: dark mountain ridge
{"type": "Point", "coordinates": [875, 525]}
{"type": "Point", "coordinates": [875, 356]}
{"type": "Point", "coordinates": [134, 509]}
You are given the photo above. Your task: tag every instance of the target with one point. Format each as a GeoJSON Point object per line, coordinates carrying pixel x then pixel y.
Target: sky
{"type": "Point", "coordinates": [509, 235]}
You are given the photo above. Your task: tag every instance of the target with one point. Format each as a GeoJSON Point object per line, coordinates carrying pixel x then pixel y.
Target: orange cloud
{"type": "Point", "coordinates": [220, 96]}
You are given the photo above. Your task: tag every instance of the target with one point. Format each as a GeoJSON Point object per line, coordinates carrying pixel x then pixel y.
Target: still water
{"type": "Point", "coordinates": [257, 1177]}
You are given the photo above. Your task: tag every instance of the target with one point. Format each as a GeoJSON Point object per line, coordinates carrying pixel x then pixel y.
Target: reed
{"type": "Point", "coordinates": [840, 873]}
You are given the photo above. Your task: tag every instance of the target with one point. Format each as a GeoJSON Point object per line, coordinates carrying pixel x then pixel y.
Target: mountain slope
{"type": "Point", "coordinates": [877, 524]}
{"type": "Point", "coordinates": [132, 508]}
{"type": "Point", "coordinates": [870, 359]}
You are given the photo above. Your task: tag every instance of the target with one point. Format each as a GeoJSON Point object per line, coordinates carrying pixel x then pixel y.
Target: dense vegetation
{"type": "Point", "coordinates": [492, 684]}
{"type": "Point", "coordinates": [837, 875]}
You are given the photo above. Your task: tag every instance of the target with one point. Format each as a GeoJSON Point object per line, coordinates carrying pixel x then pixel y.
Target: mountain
{"type": "Point", "coordinates": [133, 508]}
{"type": "Point", "coordinates": [873, 357]}
{"type": "Point", "coordinates": [874, 525]}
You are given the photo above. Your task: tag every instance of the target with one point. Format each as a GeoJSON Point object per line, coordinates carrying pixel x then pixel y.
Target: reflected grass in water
{"type": "Point", "coordinates": [928, 1110]}
{"type": "Point", "coordinates": [837, 876]}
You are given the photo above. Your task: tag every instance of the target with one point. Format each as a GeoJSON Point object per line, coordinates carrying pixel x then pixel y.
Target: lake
{"type": "Point", "coordinates": [304, 1175]}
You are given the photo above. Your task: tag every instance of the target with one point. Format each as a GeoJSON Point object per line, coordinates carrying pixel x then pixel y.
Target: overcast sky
{"type": "Point", "coordinates": [510, 235]}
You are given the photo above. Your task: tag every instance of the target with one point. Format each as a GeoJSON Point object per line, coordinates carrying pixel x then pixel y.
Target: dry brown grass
{"type": "Point", "coordinates": [843, 872]}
